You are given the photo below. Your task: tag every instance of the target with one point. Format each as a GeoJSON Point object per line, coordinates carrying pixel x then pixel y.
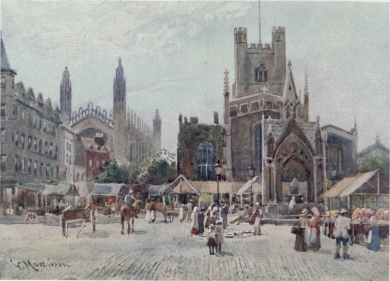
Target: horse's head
{"type": "Point", "coordinates": [137, 205]}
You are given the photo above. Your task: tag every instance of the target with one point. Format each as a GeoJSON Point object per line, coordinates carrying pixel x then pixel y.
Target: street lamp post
{"type": "Point", "coordinates": [251, 173]}
{"type": "Point", "coordinates": [218, 173]}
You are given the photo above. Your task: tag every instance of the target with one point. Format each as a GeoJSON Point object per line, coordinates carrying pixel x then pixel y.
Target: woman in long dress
{"type": "Point", "coordinates": [208, 215]}
{"type": "Point", "coordinates": [315, 224]}
{"type": "Point", "coordinates": [194, 222]}
{"type": "Point", "coordinates": [256, 225]}
{"type": "Point", "coordinates": [374, 245]}
{"type": "Point", "coordinates": [181, 213]}
{"type": "Point", "coordinates": [301, 236]}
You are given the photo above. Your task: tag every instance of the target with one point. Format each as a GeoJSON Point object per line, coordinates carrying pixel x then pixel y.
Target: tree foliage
{"type": "Point", "coordinates": [115, 173]}
{"type": "Point", "coordinates": [158, 169]}
{"type": "Point", "coordinates": [375, 163]}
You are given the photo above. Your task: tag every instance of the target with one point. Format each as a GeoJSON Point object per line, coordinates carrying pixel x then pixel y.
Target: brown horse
{"type": "Point", "coordinates": [159, 207]}
{"type": "Point", "coordinates": [75, 216]}
{"type": "Point", "coordinates": [128, 213]}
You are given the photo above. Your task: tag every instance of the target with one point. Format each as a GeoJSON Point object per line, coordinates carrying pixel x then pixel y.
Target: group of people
{"type": "Point", "coordinates": [307, 231]}
{"type": "Point", "coordinates": [254, 215]}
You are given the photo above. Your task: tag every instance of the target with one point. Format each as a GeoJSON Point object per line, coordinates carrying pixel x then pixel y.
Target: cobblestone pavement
{"type": "Point", "coordinates": [166, 251]}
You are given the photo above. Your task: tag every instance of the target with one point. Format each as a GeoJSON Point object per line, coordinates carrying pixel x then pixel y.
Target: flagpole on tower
{"type": "Point", "coordinates": [259, 24]}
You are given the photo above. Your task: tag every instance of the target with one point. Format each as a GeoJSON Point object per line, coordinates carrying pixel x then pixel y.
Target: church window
{"type": "Point", "coordinates": [29, 142]}
{"type": "Point", "coordinates": [244, 108]}
{"type": "Point", "coordinates": [35, 167]}
{"type": "Point", "coordinates": [255, 106]}
{"type": "Point", "coordinates": [233, 111]}
{"type": "Point", "coordinates": [2, 82]}
{"type": "Point", "coordinates": [41, 170]}
{"type": "Point", "coordinates": [205, 161]}
{"type": "Point", "coordinates": [29, 166]}
{"type": "Point", "coordinates": [288, 113]}
{"type": "Point", "coordinates": [3, 162]}
{"type": "Point", "coordinates": [47, 170]}
{"type": "Point", "coordinates": [16, 163]}
{"type": "Point", "coordinates": [261, 73]}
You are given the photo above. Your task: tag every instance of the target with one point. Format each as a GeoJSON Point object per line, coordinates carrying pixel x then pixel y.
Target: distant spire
{"type": "Point", "coordinates": [4, 58]}
{"type": "Point", "coordinates": [226, 83]}
{"type": "Point", "coordinates": [259, 24]}
{"type": "Point", "coordinates": [306, 90]}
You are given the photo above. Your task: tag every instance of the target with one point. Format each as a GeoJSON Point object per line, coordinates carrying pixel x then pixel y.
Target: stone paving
{"type": "Point", "coordinates": [166, 251]}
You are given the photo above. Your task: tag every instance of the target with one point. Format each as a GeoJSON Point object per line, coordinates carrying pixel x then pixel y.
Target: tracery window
{"type": "Point", "coordinates": [261, 73]}
{"type": "Point", "coordinates": [206, 160]}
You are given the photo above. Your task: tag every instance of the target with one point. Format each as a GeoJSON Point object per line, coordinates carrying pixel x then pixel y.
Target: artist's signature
{"type": "Point", "coordinates": [37, 265]}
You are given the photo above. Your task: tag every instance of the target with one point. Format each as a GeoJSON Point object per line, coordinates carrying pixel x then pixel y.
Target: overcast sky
{"type": "Point", "coordinates": [175, 53]}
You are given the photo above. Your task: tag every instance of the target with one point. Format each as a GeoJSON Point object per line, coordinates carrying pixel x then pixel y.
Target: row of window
{"type": "Point", "coordinates": [34, 121]}
{"type": "Point", "coordinates": [19, 139]}
{"type": "Point", "coordinates": [31, 167]}
{"type": "Point", "coordinates": [97, 163]}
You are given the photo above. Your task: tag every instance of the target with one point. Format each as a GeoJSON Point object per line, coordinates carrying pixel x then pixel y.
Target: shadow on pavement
{"type": "Point", "coordinates": [222, 254]}
{"type": "Point", "coordinates": [96, 234]}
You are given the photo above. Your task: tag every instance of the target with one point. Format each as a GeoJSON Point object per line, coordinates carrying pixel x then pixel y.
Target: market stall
{"type": "Point", "coordinates": [357, 193]}
{"type": "Point", "coordinates": [106, 194]}
{"type": "Point", "coordinates": [250, 192]}
{"type": "Point", "coordinates": [180, 191]}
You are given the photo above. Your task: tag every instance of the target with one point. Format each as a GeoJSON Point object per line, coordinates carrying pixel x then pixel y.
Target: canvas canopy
{"type": "Point", "coordinates": [156, 190]}
{"type": "Point", "coordinates": [367, 183]}
{"type": "Point", "coordinates": [180, 186]}
{"type": "Point", "coordinates": [255, 182]}
{"type": "Point", "coordinates": [106, 189]}
{"type": "Point", "coordinates": [60, 189]}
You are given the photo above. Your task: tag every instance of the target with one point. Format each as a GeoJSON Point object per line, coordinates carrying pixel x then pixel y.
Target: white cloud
{"type": "Point", "coordinates": [229, 10]}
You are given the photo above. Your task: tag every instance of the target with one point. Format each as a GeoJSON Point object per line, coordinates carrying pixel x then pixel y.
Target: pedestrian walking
{"type": "Point", "coordinates": [343, 225]}
{"type": "Point", "coordinates": [211, 243]}
{"type": "Point", "coordinates": [219, 236]}
{"type": "Point", "coordinates": [301, 232]}
{"type": "Point", "coordinates": [201, 221]}
{"type": "Point", "coordinates": [208, 216]}
{"type": "Point", "coordinates": [148, 208]}
{"type": "Point", "coordinates": [189, 211]}
{"type": "Point", "coordinates": [373, 227]}
{"type": "Point", "coordinates": [314, 241]}
{"type": "Point", "coordinates": [194, 222]}
{"type": "Point", "coordinates": [224, 214]}
{"type": "Point", "coordinates": [113, 209]}
{"type": "Point", "coordinates": [214, 215]}
{"type": "Point", "coordinates": [181, 213]}
{"type": "Point", "coordinates": [258, 217]}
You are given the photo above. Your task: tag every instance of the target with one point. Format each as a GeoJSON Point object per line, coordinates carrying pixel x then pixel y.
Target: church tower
{"type": "Point", "coordinates": [66, 97]}
{"type": "Point", "coordinates": [119, 99]}
{"type": "Point", "coordinates": [157, 132]}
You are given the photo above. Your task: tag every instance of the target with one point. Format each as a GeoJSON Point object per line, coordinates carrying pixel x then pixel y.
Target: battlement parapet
{"type": "Point", "coordinates": [239, 30]}
{"type": "Point", "coordinates": [260, 46]}
{"type": "Point", "coordinates": [278, 29]}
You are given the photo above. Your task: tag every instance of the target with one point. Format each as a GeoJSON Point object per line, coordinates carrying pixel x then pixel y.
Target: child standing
{"type": "Point", "coordinates": [219, 236]}
{"type": "Point", "coordinates": [211, 243]}
{"type": "Point", "coordinates": [181, 213]}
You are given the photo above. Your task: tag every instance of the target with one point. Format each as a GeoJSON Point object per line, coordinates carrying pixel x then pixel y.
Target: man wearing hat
{"type": "Point", "coordinates": [129, 198]}
{"type": "Point", "coordinates": [342, 224]}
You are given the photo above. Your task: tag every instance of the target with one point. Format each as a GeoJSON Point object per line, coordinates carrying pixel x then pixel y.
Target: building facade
{"type": "Point", "coordinates": [376, 150]}
{"type": "Point", "coordinates": [266, 122]}
{"type": "Point", "coordinates": [30, 140]}
{"type": "Point", "coordinates": [199, 147]}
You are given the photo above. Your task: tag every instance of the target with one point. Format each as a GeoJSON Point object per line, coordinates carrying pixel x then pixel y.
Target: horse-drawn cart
{"type": "Point", "coordinates": [35, 215]}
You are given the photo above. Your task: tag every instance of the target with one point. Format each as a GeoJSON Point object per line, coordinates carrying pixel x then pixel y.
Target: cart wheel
{"type": "Point", "coordinates": [30, 218]}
